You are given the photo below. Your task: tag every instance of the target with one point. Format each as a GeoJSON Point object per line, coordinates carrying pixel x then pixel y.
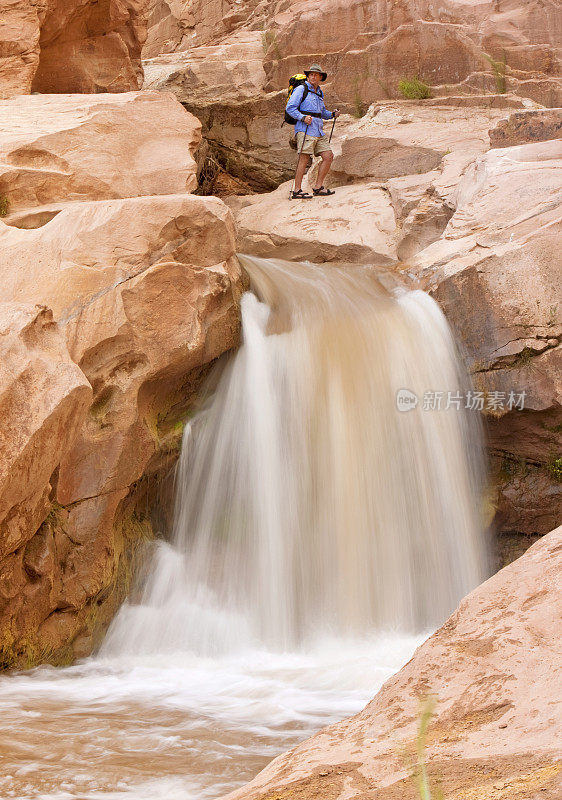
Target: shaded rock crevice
{"type": "Point", "coordinates": [84, 46]}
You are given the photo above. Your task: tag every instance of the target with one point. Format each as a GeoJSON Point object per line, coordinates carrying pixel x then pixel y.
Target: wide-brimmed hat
{"type": "Point", "coordinates": [316, 68]}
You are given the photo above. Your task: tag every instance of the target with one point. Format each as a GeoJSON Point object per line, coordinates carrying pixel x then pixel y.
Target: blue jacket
{"type": "Point", "coordinates": [314, 101]}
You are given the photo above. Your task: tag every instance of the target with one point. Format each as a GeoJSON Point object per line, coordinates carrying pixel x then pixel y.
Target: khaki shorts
{"type": "Point", "coordinates": [314, 145]}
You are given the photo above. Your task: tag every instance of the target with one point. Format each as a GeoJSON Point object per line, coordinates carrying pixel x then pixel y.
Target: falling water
{"type": "Point", "coordinates": [319, 531]}
{"type": "Point", "coordinates": [307, 503]}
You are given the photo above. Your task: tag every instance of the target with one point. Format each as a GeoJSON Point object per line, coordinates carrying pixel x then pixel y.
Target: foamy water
{"type": "Point", "coordinates": [177, 727]}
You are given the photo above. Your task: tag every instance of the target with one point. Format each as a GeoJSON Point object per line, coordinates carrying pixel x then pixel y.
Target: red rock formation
{"type": "Point", "coordinates": [78, 46]}
{"type": "Point", "coordinates": [496, 273]}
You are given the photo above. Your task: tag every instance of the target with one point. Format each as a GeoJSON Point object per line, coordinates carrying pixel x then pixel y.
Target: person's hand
{"type": "Point", "coordinates": [337, 112]}
{"type": "Point", "coordinates": [308, 120]}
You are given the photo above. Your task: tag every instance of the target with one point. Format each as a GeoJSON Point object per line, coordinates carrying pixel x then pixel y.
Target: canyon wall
{"type": "Point", "coordinates": [229, 62]}
{"type": "Point", "coordinates": [77, 46]}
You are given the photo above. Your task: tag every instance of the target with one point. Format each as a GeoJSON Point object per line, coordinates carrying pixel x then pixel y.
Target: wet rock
{"type": "Point", "coordinates": [495, 271]}
{"type": "Point", "coordinates": [486, 737]}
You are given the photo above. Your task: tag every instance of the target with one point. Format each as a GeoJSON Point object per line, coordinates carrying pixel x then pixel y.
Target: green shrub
{"type": "Point", "coordinates": [414, 89]}
{"type": "Point", "coordinates": [4, 205]}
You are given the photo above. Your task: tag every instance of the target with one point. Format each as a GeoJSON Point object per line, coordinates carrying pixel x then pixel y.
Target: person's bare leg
{"type": "Point", "coordinates": [327, 158]}
{"type": "Point", "coordinates": [301, 169]}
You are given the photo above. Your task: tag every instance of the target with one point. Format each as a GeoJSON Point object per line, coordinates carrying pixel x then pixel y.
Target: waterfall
{"type": "Point", "coordinates": [320, 531]}
{"type": "Point", "coordinates": [309, 502]}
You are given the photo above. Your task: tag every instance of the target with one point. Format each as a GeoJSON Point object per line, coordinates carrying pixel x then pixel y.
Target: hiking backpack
{"type": "Point", "coordinates": [295, 80]}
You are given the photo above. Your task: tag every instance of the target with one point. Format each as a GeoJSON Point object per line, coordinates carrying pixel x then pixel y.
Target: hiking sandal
{"type": "Point", "coordinates": [300, 195]}
{"type": "Point", "coordinates": [323, 192]}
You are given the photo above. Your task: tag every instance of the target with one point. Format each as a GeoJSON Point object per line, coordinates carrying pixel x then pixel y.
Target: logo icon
{"type": "Point", "coordinates": [406, 400]}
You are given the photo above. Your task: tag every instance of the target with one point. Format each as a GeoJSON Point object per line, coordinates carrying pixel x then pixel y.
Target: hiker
{"type": "Point", "coordinates": [306, 106]}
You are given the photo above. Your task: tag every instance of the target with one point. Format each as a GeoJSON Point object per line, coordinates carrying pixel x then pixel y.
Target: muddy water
{"type": "Point", "coordinates": [178, 727]}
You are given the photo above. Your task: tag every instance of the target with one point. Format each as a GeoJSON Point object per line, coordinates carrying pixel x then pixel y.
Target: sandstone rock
{"type": "Point", "coordinates": [490, 738]}
{"type": "Point", "coordinates": [371, 157]}
{"type": "Point", "coordinates": [495, 271]}
{"type": "Point", "coordinates": [424, 224]}
{"type": "Point", "coordinates": [522, 127]}
{"type": "Point", "coordinates": [229, 62]}
{"type": "Point", "coordinates": [223, 85]}
{"type": "Point", "coordinates": [56, 46]}
{"type": "Point", "coordinates": [222, 73]}
{"type": "Point", "coordinates": [19, 45]}
{"type": "Point", "coordinates": [89, 249]}
{"type": "Point", "coordinates": [273, 225]}
{"type": "Point", "coordinates": [44, 397]}
{"type": "Point", "coordinates": [436, 145]}
{"type": "Point", "coordinates": [166, 28]}
{"type": "Point", "coordinates": [528, 500]}
{"type": "Point", "coordinates": [58, 148]}
{"type": "Point", "coordinates": [370, 47]}
{"type": "Point", "coordinates": [146, 292]}
{"type": "Point", "coordinates": [143, 286]}
{"type": "Point", "coordinates": [175, 26]}
{"type": "Point", "coordinates": [406, 139]}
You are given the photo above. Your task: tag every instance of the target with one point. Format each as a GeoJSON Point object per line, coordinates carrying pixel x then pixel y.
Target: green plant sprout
{"type": "Point", "coordinates": [417, 766]}
{"type": "Point", "coordinates": [498, 68]}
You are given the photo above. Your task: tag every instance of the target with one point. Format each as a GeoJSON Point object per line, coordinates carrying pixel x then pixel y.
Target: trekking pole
{"type": "Point", "coordinates": [298, 159]}
{"type": "Point", "coordinates": [332, 131]}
